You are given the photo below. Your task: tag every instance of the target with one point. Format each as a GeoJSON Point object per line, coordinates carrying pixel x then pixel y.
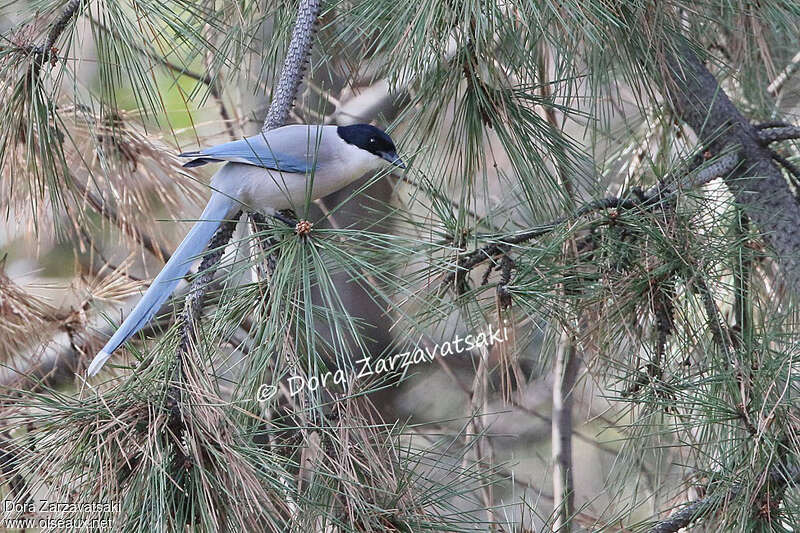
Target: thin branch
{"type": "Point", "coordinates": [215, 89]}
{"type": "Point", "coordinates": [664, 325]}
{"type": "Point", "coordinates": [793, 169]}
{"type": "Point", "coordinates": [565, 372]}
{"type": "Point", "coordinates": [719, 328]}
{"type": "Point", "coordinates": [53, 366]}
{"type": "Point", "coordinates": [771, 124]}
{"type": "Point", "coordinates": [110, 213]}
{"type": "Point", "coordinates": [205, 79]}
{"type": "Point", "coordinates": [94, 270]}
{"type": "Point", "coordinates": [775, 87]}
{"type": "Point", "coordinates": [11, 457]}
{"type": "Point", "coordinates": [567, 361]}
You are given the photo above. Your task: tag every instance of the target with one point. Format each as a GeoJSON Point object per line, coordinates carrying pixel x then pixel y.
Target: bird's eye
{"type": "Point", "coordinates": [372, 140]}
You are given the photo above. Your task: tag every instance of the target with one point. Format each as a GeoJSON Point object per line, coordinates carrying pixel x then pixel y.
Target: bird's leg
{"type": "Point", "coordinates": [288, 217]}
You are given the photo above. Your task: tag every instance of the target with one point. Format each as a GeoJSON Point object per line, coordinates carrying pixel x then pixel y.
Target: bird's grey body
{"type": "Point", "coordinates": [280, 169]}
{"type": "Point", "coordinates": [326, 163]}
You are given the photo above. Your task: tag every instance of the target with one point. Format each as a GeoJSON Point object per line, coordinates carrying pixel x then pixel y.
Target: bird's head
{"type": "Point", "coordinates": [373, 140]}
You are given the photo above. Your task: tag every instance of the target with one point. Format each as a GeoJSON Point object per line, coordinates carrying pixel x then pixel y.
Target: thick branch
{"type": "Point", "coordinates": [294, 65]}
{"type": "Point", "coordinates": [757, 184]}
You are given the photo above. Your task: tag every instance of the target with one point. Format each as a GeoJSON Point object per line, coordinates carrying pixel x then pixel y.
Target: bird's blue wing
{"type": "Point", "coordinates": [251, 151]}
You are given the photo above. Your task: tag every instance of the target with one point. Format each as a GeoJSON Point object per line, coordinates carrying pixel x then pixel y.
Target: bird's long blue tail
{"type": "Point", "coordinates": [219, 207]}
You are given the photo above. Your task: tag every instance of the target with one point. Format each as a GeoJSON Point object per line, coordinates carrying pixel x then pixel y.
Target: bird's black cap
{"type": "Point", "coordinates": [371, 139]}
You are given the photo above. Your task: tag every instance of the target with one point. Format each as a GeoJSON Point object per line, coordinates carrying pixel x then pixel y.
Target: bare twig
{"type": "Point", "coordinates": [567, 361]}
{"type": "Point", "coordinates": [783, 76]}
{"type": "Point", "coordinates": [484, 451]}
{"type": "Point", "coordinates": [110, 213]}
{"type": "Point", "coordinates": [565, 372]}
{"type": "Point", "coordinates": [202, 78]}
{"type": "Point", "coordinates": [719, 328]}
{"type": "Point", "coordinates": [52, 366]}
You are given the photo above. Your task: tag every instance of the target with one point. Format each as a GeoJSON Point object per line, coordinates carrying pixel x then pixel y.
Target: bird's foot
{"type": "Point", "coordinates": [301, 227]}
{"type": "Point", "coordinates": [289, 219]}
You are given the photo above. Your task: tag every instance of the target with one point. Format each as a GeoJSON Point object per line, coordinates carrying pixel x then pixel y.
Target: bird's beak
{"type": "Point", "coordinates": [393, 158]}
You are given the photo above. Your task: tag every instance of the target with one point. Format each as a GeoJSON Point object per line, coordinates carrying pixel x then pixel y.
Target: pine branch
{"type": "Point", "coordinates": [771, 135]}
{"type": "Point", "coordinates": [194, 300]}
{"type": "Point", "coordinates": [111, 214]}
{"type": "Point", "coordinates": [567, 362]}
{"type": "Point", "coordinates": [757, 184]}
{"type": "Point", "coordinates": [55, 364]}
{"type": "Point", "coordinates": [698, 509]}
{"type": "Point", "coordinates": [665, 191]}
{"type": "Point", "coordinates": [771, 124]}
{"type": "Point", "coordinates": [793, 169]}
{"type": "Point", "coordinates": [297, 56]}
{"type": "Point", "coordinates": [46, 52]}
{"type": "Point", "coordinates": [565, 374]}
{"type": "Point", "coordinates": [206, 79]}
{"type": "Point", "coordinates": [663, 304]}
{"type": "Point", "coordinates": [294, 65]}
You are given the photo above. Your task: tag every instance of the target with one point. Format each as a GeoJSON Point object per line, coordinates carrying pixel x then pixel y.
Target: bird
{"type": "Point", "coordinates": [269, 172]}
